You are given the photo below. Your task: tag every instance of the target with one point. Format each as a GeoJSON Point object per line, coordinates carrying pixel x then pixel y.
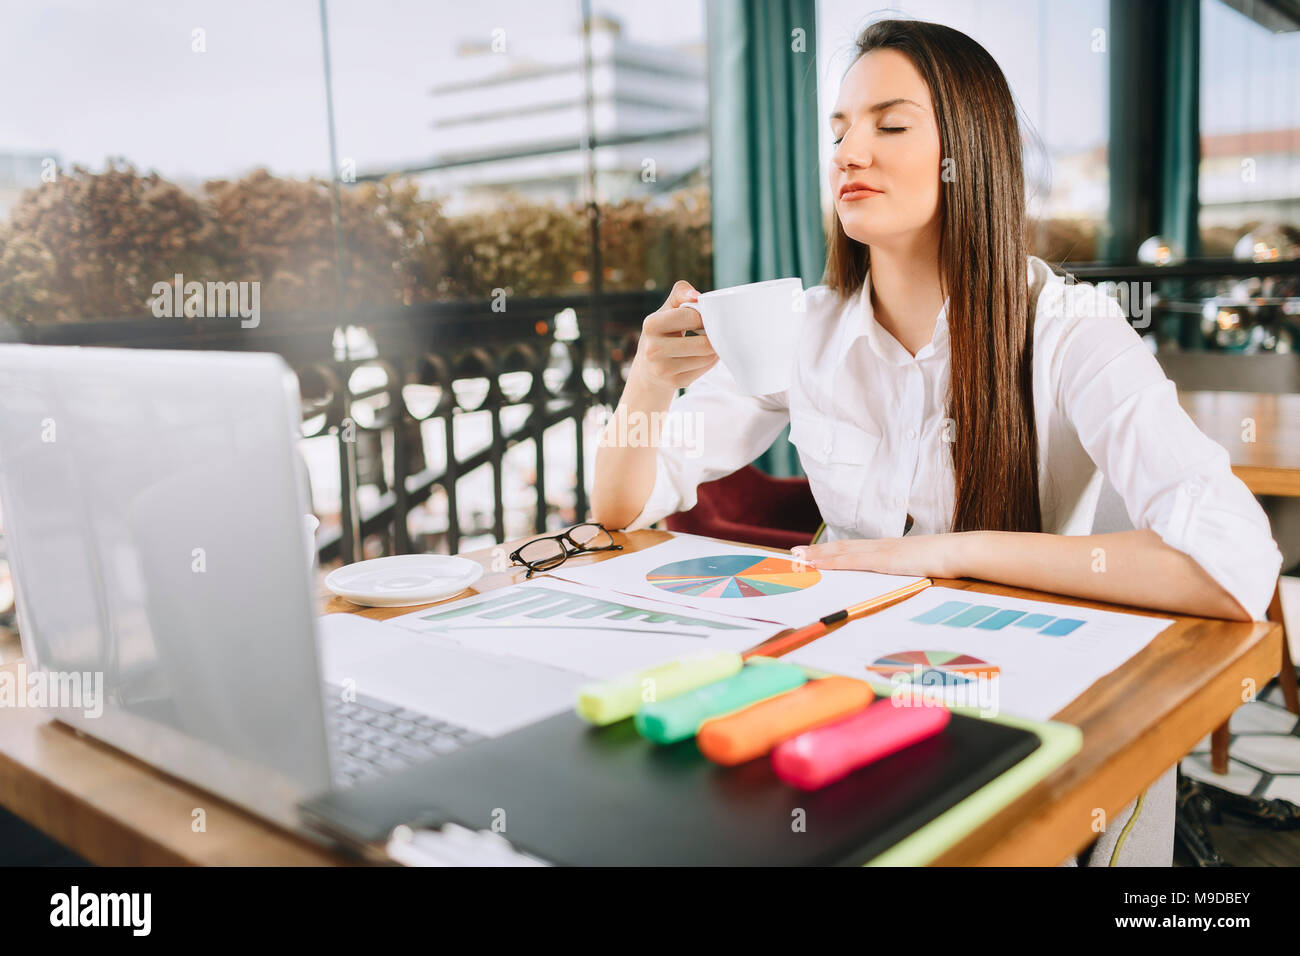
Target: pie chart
{"type": "Point", "coordinates": [934, 668]}
{"type": "Point", "coordinates": [732, 576]}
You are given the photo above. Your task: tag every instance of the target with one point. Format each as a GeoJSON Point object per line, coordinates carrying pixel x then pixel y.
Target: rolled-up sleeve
{"type": "Point", "coordinates": [1174, 480]}
{"type": "Point", "coordinates": [711, 430]}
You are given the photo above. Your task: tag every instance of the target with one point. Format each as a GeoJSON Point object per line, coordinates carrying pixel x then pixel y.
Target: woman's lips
{"type": "Point", "coordinates": [859, 192]}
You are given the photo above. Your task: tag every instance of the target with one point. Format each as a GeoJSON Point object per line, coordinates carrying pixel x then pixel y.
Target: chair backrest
{"type": "Point", "coordinates": [753, 507]}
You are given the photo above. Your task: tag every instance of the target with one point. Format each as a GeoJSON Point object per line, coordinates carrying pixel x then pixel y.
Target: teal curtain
{"type": "Point", "coordinates": [1154, 143]}
{"type": "Point", "coordinates": [1132, 142]}
{"type": "Point", "coordinates": [1180, 154]}
{"type": "Point", "coordinates": [767, 221]}
{"type": "Point", "coordinates": [1180, 157]}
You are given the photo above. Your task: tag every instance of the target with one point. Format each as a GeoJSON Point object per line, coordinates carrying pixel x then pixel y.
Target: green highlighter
{"type": "Point", "coordinates": [668, 721]}
{"type": "Point", "coordinates": [613, 700]}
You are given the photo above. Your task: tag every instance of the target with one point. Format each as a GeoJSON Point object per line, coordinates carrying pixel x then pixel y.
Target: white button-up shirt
{"type": "Point", "coordinates": [869, 421]}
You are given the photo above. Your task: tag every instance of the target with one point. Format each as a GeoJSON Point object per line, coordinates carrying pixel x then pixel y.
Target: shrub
{"type": "Point", "coordinates": [92, 245]}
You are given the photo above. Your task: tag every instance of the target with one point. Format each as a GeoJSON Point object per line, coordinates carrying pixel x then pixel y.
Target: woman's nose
{"type": "Point", "coordinates": [851, 155]}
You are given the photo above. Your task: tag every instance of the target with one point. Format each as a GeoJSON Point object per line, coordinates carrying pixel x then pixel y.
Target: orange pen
{"type": "Point", "coordinates": [782, 645]}
{"type": "Point", "coordinates": [752, 732]}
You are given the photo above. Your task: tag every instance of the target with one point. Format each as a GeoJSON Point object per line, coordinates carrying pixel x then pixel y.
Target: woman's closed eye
{"type": "Point", "coordinates": [880, 129]}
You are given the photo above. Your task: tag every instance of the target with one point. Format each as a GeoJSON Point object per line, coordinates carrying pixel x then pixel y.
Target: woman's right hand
{"type": "Point", "coordinates": [666, 358]}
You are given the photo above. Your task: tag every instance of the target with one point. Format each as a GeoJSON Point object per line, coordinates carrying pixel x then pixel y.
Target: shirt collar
{"type": "Point", "coordinates": [859, 320]}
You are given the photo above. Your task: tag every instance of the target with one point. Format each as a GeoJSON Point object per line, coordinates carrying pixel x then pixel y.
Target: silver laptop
{"type": "Point", "coordinates": [153, 506]}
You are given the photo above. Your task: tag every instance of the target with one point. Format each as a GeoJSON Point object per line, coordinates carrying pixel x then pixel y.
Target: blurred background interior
{"type": "Point", "coordinates": [459, 214]}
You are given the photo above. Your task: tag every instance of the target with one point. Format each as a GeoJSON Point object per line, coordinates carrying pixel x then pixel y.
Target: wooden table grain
{"type": "Point", "coordinates": [1137, 722]}
{"type": "Point", "coordinates": [1261, 432]}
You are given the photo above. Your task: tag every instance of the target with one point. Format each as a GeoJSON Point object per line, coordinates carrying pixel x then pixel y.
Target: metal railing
{"type": "Point", "coordinates": [373, 381]}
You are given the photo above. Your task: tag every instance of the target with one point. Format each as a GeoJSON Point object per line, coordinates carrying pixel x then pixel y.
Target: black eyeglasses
{"type": "Point", "coordinates": [546, 554]}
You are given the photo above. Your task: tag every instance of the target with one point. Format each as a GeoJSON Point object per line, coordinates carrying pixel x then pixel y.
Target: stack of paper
{"type": "Point", "coordinates": [1002, 655]}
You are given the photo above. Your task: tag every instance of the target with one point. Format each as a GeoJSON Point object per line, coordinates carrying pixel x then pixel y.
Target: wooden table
{"type": "Point", "coordinates": [1137, 722]}
{"type": "Point", "coordinates": [1261, 432]}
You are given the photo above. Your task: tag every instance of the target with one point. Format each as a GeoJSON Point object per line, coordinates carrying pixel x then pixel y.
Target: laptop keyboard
{"type": "Point", "coordinates": [369, 737]}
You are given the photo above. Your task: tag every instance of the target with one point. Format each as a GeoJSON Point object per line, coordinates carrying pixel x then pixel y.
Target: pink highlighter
{"type": "Point", "coordinates": [825, 754]}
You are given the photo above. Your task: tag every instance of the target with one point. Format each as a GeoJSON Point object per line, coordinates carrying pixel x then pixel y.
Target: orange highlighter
{"type": "Point", "coordinates": [752, 732]}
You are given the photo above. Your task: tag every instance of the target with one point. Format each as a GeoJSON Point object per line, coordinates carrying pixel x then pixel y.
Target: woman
{"type": "Point", "coordinates": [955, 404]}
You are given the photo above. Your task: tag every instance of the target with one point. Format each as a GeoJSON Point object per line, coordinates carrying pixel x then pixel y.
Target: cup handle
{"type": "Point", "coordinates": [696, 307]}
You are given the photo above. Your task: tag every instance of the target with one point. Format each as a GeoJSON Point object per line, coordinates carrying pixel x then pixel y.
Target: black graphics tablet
{"type": "Point", "coordinates": [569, 793]}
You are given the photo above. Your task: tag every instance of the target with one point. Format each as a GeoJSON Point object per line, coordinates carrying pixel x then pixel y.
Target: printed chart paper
{"type": "Point", "coordinates": [695, 572]}
{"type": "Point", "coordinates": [1005, 656]}
{"type": "Point", "coordinates": [583, 630]}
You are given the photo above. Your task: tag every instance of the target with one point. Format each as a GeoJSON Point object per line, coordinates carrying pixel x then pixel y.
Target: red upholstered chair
{"type": "Point", "coordinates": [753, 508]}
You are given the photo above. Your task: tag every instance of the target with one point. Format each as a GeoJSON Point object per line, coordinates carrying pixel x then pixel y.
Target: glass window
{"type": "Point", "coordinates": [476, 143]}
{"type": "Point", "coordinates": [1250, 127]}
{"type": "Point", "coordinates": [200, 137]}
{"type": "Point", "coordinates": [650, 88]}
{"type": "Point", "coordinates": [141, 140]}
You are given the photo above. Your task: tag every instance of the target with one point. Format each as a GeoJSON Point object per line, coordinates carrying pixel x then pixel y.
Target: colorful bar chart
{"type": "Point", "coordinates": [560, 609]}
{"type": "Point", "coordinates": [986, 617]}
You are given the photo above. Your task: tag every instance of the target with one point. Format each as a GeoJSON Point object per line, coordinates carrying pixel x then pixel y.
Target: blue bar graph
{"type": "Point", "coordinates": [1061, 626]}
{"type": "Point", "coordinates": [985, 617]}
{"type": "Point", "coordinates": [941, 613]}
{"type": "Point", "coordinates": [1033, 620]}
{"type": "Point", "coordinates": [1000, 620]}
{"type": "Point", "coordinates": [966, 618]}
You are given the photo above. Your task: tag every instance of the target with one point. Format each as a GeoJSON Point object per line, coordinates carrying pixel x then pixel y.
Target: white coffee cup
{"type": "Point", "coordinates": [754, 329]}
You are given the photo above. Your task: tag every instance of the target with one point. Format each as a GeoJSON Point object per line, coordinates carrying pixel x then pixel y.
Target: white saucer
{"type": "Point", "coordinates": [403, 580]}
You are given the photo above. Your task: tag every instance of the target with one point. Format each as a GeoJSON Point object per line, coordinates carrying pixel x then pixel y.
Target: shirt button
{"type": "Point", "coordinates": [827, 448]}
{"type": "Point", "coordinates": [911, 434]}
{"type": "Point", "coordinates": [1193, 488]}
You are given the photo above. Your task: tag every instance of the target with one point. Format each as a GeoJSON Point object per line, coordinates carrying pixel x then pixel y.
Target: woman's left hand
{"type": "Point", "coordinates": [926, 555]}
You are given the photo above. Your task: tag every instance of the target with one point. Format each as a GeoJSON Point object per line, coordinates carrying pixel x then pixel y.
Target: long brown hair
{"type": "Point", "coordinates": [983, 266]}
